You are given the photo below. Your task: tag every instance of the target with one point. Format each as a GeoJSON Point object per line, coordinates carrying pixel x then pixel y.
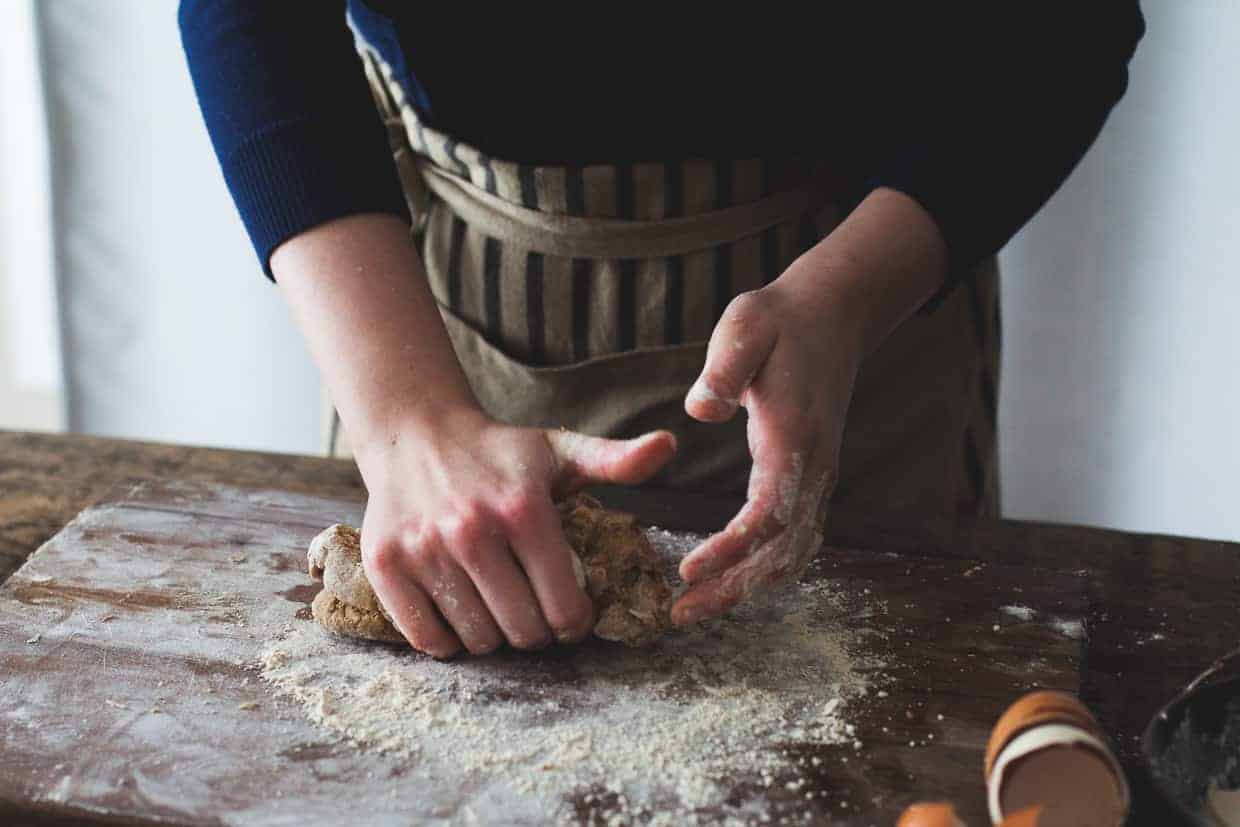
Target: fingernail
{"type": "Point", "coordinates": [702, 392]}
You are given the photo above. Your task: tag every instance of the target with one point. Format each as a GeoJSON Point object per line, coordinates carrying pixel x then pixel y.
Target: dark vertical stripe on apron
{"type": "Point", "coordinates": [770, 255]}
{"type": "Point", "coordinates": [490, 273]}
{"type": "Point", "coordinates": [723, 279]}
{"type": "Point", "coordinates": [488, 175]}
{"type": "Point", "coordinates": [454, 263]}
{"type": "Point", "coordinates": [574, 190]}
{"type": "Point", "coordinates": [723, 253]}
{"type": "Point", "coordinates": [626, 304]}
{"type": "Point", "coordinates": [581, 308]}
{"type": "Point", "coordinates": [449, 148]}
{"type": "Point", "coordinates": [979, 332]}
{"type": "Point", "coordinates": [723, 184]}
{"type": "Point", "coordinates": [673, 189]}
{"type": "Point", "coordinates": [673, 300]}
{"type": "Point", "coordinates": [973, 466]}
{"type": "Point", "coordinates": [674, 292]}
{"type": "Point", "coordinates": [807, 233]}
{"type": "Point", "coordinates": [534, 315]}
{"type": "Point", "coordinates": [529, 193]}
{"type": "Point", "coordinates": [624, 191]}
{"type": "Point", "coordinates": [770, 240]}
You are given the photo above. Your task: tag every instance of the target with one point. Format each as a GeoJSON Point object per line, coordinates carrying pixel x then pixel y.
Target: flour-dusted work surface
{"type": "Point", "coordinates": [160, 666]}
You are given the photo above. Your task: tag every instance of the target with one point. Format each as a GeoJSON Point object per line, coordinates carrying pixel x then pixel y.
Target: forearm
{"type": "Point", "coordinates": [359, 294]}
{"type": "Point", "coordinates": [875, 269]}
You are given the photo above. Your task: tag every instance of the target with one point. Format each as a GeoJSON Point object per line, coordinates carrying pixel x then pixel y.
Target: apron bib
{"type": "Point", "coordinates": [584, 297]}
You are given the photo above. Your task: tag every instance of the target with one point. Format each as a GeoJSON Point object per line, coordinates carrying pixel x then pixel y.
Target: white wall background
{"type": "Point", "coordinates": [1119, 399]}
{"type": "Point", "coordinates": [171, 331]}
{"type": "Point", "coordinates": [1121, 390]}
{"type": "Point", "coordinates": [30, 370]}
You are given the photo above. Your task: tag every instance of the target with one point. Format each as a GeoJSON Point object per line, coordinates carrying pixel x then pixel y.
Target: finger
{"type": "Point", "coordinates": [459, 603]}
{"type": "Point", "coordinates": [506, 591]}
{"type": "Point", "coordinates": [587, 459]}
{"type": "Point", "coordinates": [739, 346]}
{"type": "Point", "coordinates": [782, 558]}
{"type": "Point", "coordinates": [538, 542]}
{"type": "Point", "coordinates": [774, 486]}
{"type": "Point", "coordinates": [704, 601]}
{"type": "Point", "coordinates": [752, 526]}
{"type": "Point", "coordinates": [410, 609]}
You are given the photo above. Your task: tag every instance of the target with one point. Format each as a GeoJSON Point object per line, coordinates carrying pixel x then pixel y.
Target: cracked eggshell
{"type": "Point", "coordinates": [1048, 750]}
{"type": "Point", "coordinates": [930, 814]}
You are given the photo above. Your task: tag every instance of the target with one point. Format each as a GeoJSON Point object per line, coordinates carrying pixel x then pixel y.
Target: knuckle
{"type": "Point", "coordinates": [382, 559]}
{"type": "Point", "coordinates": [470, 555]}
{"type": "Point", "coordinates": [747, 307]}
{"type": "Point", "coordinates": [425, 549]}
{"type": "Point", "coordinates": [464, 528]}
{"type": "Point", "coordinates": [519, 507]}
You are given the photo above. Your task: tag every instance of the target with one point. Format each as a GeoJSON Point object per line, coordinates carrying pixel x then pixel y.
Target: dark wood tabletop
{"type": "Point", "coordinates": [1159, 609]}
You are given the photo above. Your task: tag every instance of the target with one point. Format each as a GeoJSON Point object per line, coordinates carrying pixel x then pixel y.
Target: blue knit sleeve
{"type": "Point", "coordinates": [286, 103]}
{"type": "Point", "coordinates": [1003, 117]}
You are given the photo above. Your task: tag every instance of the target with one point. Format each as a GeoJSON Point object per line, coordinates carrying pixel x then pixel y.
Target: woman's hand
{"type": "Point", "coordinates": [786, 358]}
{"type": "Point", "coordinates": [789, 354]}
{"type": "Point", "coordinates": [462, 541]}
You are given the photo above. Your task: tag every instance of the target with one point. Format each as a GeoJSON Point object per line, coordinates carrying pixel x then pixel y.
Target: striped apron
{"type": "Point", "coordinates": [584, 297]}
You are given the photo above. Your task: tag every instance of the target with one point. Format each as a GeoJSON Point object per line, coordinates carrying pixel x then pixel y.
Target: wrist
{"type": "Point", "coordinates": [874, 270]}
{"type": "Point", "coordinates": [385, 438]}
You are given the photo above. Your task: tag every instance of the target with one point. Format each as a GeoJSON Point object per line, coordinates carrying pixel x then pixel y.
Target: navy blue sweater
{"type": "Point", "coordinates": [978, 114]}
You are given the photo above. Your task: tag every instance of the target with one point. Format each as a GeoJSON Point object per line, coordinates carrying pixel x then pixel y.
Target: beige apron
{"type": "Point", "coordinates": [585, 296]}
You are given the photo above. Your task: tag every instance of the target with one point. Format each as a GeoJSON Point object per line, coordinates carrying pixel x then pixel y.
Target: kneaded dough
{"type": "Point", "coordinates": [337, 616]}
{"type": "Point", "coordinates": [335, 557]}
{"type": "Point", "coordinates": [624, 575]}
{"type": "Point", "coordinates": [613, 561]}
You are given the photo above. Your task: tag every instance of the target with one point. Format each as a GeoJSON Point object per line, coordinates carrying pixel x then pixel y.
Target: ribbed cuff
{"type": "Point", "coordinates": [303, 173]}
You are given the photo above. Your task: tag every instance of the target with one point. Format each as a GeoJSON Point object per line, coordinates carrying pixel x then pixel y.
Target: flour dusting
{"type": "Point", "coordinates": [683, 732]}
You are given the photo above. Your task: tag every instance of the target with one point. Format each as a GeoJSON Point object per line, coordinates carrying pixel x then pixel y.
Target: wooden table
{"type": "Point", "coordinates": [1159, 608]}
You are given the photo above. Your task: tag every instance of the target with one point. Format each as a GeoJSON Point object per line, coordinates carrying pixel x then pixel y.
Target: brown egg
{"type": "Point", "coordinates": [1048, 752]}
{"type": "Point", "coordinates": [930, 814]}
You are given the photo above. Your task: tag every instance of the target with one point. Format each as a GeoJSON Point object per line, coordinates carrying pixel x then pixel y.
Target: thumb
{"type": "Point", "coordinates": [584, 459]}
{"type": "Point", "coordinates": [739, 346]}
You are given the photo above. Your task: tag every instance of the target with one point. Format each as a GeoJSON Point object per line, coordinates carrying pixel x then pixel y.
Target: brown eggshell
{"type": "Point", "coordinates": [930, 814]}
{"type": "Point", "coordinates": [1028, 817]}
{"type": "Point", "coordinates": [1048, 750]}
{"type": "Point", "coordinates": [1034, 709]}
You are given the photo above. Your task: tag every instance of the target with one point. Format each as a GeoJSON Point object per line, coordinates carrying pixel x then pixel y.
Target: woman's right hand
{"type": "Point", "coordinates": [462, 541]}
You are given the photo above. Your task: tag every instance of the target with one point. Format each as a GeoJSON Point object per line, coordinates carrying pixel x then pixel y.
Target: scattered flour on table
{"type": "Point", "coordinates": [1019, 612]}
{"type": "Point", "coordinates": [600, 731]}
{"type": "Point", "coordinates": [1068, 627]}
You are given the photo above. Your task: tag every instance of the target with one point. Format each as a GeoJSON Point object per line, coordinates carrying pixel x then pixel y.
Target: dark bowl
{"type": "Point", "coordinates": [1195, 739]}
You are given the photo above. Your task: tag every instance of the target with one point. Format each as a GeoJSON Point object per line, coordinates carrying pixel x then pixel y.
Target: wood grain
{"type": "Point", "coordinates": [45, 479]}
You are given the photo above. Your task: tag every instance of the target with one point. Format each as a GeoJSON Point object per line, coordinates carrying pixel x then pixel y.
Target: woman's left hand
{"type": "Point", "coordinates": [789, 360]}
{"type": "Point", "coordinates": [789, 353]}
